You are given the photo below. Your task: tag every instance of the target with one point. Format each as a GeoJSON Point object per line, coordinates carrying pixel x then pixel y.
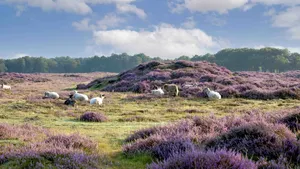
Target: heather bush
{"type": "Point", "coordinates": [47, 156]}
{"type": "Point", "coordinates": [292, 121]}
{"type": "Point", "coordinates": [255, 140]}
{"type": "Point", "coordinates": [93, 117]}
{"type": "Point", "coordinates": [220, 159]}
{"type": "Point", "coordinates": [71, 141]}
{"type": "Point", "coordinates": [22, 132]}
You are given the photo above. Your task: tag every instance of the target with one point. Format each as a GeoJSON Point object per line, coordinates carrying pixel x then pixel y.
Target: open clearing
{"type": "Point", "coordinates": [126, 113]}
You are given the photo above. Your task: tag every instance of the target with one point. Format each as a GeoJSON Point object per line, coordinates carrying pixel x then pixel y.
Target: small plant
{"type": "Point", "coordinates": [93, 117]}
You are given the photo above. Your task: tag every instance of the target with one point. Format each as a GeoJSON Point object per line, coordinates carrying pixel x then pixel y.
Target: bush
{"type": "Point", "coordinates": [255, 140]}
{"type": "Point", "coordinates": [292, 121]}
{"type": "Point", "coordinates": [71, 141]}
{"type": "Point", "coordinates": [220, 159]}
{"type": "Point", "coordinates": [93, 117]}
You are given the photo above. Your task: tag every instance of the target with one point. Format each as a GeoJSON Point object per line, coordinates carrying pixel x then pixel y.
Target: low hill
{"type": "Point", "coordinates": [192, 77]}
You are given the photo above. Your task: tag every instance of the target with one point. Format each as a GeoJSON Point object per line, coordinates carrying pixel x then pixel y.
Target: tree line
{"type": "Point", "coordinates": [241, 59]}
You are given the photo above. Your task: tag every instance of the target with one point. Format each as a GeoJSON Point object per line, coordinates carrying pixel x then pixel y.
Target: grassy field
{"type": "Point", "coordinates": [126, 113]}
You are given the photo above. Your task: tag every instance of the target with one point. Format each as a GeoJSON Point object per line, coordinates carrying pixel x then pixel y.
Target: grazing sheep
{"type": "Point", "coordinates": [5, 87]}
{"type": "Point", "coordinates": [79, 96]}
{"type": "Point", "coordinates": [97, 100]}
{"type": "Point", "coordinates": [157, 92]}
{"type": "Point", "coordinates": [51, 95]}
{"type": "Point", "coordinates": [70, 101]}
{"type": "Point", "coordinates": [171, 89]}
{"type": "Point", "coordinates": [212, 94]}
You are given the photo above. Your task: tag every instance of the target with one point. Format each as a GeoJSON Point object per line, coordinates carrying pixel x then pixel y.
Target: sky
{"type": "Point", "coordinates": [157, 28]}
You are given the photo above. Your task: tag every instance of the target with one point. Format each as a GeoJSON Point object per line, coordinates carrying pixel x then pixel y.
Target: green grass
{"type": "Point", "coordinates": [122, 115]}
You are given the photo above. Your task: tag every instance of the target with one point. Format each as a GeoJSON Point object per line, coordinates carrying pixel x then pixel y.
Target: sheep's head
{"type": "Point", "coordinates": [206, 90]}
{"type": "Point", "coordinates": [102, 96]}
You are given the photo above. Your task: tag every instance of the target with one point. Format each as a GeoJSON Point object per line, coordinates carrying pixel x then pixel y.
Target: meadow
{"type": "Point", "coordinates": [31, 128]}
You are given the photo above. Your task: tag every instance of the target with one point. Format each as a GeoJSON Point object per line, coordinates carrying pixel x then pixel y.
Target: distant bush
{"type": "Point", "coordinates": [220, 159]}
{"type": "Point", "coordinates": [93, 117]}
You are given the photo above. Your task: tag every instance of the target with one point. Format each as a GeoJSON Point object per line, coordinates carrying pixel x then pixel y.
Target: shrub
{"type": "Point", "coordinates": [256, 140]}
{"type": "Point", "coordinates": [71, 141]}
{"type": "Point", "coordinates": [93, 117]}
{"type": "Point", "coordinates": [292, 121]}
{"type": "Point", "coordinates": [220, 159]}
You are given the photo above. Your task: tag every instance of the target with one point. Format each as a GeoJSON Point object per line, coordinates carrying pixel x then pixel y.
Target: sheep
{"type": "Point", "coordinates": [79, 96]}
{"type": "Point", "coordinates": [212, 94]}
{"type": "Point", "coordinates": [171, 89]}
{"type": "Point", "coordinates": [157, 92]}
{"type": "Point", "coordinates": [51, 95]}
{"type": "Point", "coordinates": [97, 100]}
{"type": "Point", "coordinates": [5, 87]}
{"type": "Point", "coordinates": [70, 101]}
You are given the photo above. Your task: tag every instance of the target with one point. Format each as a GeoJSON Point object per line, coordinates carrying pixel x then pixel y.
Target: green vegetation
{"type": "Point", "coordinates": [242, 59]}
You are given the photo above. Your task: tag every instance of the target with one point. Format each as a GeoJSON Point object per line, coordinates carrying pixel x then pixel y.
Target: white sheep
{"type": "Point", "coordinates": [79, 96]}
{"type": "Point", "coordinates": [212, 94]}
{"type": "Point", "coordinates": [158, 91]}
{"type": "Point", "coordinates": [97, 100]}
{"type": "Point", "coordinates": [5, 87]}
{"type": "Point", "coordinates": [51, 95]}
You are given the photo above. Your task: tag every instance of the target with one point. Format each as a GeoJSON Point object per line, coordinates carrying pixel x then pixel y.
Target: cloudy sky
{"type": "Point", "coordinates": [164, 28]}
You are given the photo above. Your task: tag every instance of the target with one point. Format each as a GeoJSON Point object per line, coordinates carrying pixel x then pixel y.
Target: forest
{"type": "Point", "coordinates": [240, 59]}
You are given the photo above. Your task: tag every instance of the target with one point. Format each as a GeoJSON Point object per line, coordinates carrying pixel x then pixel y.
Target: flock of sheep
{"type": "Point", "coordinates": [75, 96]}
{"type": "Point", "coordinates": [172, 90]}
{"type": "Point", "coordinates": [169, 89]}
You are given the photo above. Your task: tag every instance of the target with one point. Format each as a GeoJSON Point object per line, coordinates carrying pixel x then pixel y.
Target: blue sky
{"type": "Point", "coordinates": [164, 28]}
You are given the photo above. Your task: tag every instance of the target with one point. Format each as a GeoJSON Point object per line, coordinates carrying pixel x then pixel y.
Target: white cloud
{"type": "Point", "coordinates": [76, 6]}
{"type": "Point", "coordinates": [248, 7]}
{"type": "Point", "coordinates": [108, 21]}
{"type": "Point", "coordinates": [20, 9]}
{"type": "Point", "coordinates": [189, 23]}
{"type": "Point", "coordinates": [129, 8]}
{"type": "Point", "coordinates": [270, 12]}
{"type": "Point", "coordinates": [289, 19]}
{"type": "Point", "coordinates": [164, 41]}
{"type": "Point", "coordinates": [214, 20]}
{"type": "Point", "coordinates": [207, 6]}
{"type": "Point", "coordinates": [83, 25]}
{"type": "Point", "coordinates": [223, 6]}
{"type": "Point", "coordinates": [277, 2]}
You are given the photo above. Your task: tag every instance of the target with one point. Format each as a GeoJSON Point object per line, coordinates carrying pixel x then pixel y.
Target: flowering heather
{"type": "Point", "coordinates": [256, 140]}
{"type": "Point", "coordinates": [21, 77]}
{"type": "Point", "coordinates": [93, 117]}
{"type": "Point", "coordinates": [252, 85]}
{"type": "Point", "coordinates": [292, 122]}
{"type": "Point", "coordinates": [220, 159]}
{"type": "Point", "coordinates": [47, 156]}
{"type": "Point", "coordinates": [24, 132]}
{"type": "Point", "coordinates": [71, 141]}
{"type": "Point", "coordinates": [42, 149]}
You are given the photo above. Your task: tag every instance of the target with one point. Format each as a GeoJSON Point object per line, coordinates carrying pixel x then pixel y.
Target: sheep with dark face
{"type": "Point", "coordinates": [171, 89]}
{"type": "Point", "coordinates": [70, 101]}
